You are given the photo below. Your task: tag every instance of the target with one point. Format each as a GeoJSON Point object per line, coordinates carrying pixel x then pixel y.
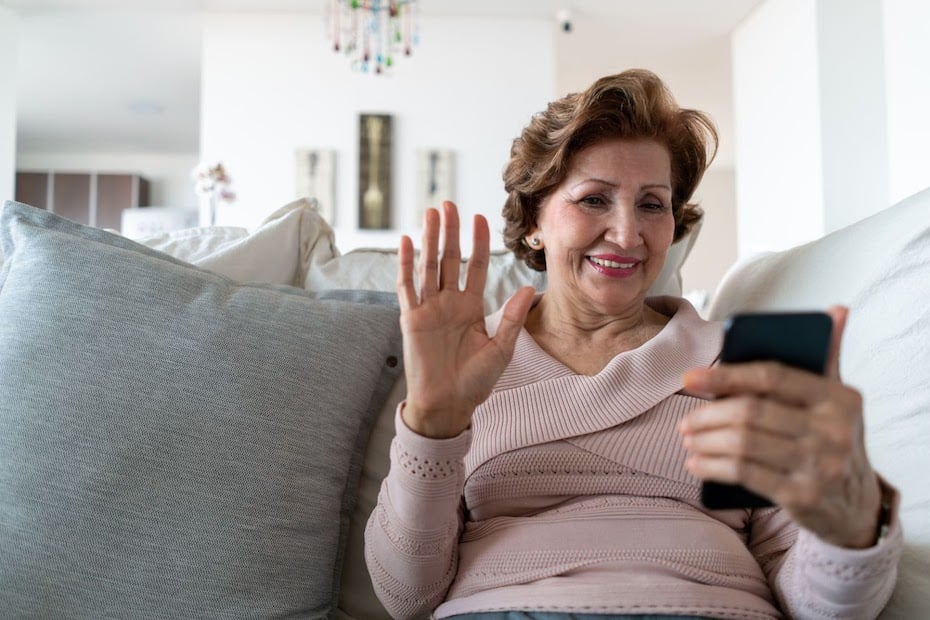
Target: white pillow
{"type": "Point", "coordinates": [277, 252]}
{"type": "Point", "coordinates": [880, 268]}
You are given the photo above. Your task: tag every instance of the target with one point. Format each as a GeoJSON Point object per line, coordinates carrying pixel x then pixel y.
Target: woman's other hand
{"type": "Point", "coordinates": [792, 436]}
{"type": "Point", "coordinates": [450, 362]}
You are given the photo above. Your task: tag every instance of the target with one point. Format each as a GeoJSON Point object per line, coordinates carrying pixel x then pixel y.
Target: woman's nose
{"type": "Point", "coordinates": [624, 228]}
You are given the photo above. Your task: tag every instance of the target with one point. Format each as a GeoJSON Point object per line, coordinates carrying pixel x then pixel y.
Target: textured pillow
{"type": "Point", "coordinates": [174, 444]}
{"type": "Point", "coordinates": [277, 251]}
{"type": "Point", "coordinates": [880, 268]}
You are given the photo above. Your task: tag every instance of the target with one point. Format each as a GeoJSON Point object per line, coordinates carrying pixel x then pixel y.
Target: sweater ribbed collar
{"type": "Point", "coordinates": [538, 399]}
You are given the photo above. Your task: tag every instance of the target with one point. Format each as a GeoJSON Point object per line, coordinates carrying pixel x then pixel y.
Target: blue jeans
{"type": "Point", "coordinates": [546, 615]}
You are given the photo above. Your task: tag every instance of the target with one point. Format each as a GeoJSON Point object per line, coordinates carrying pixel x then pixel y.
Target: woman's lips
{"type": "Point", "coordinates": [614, 266]}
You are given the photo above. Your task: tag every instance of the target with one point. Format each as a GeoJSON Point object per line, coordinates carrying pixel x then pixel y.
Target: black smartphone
{"type": "Point", "coordinates": [799, 339]}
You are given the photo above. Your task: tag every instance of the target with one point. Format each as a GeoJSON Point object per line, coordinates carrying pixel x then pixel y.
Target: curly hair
{"type": "Point", "coordinates": [634, 104]}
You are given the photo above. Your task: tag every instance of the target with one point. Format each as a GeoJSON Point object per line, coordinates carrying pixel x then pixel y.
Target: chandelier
{"type": "Point", "coordinates": [373, 33]}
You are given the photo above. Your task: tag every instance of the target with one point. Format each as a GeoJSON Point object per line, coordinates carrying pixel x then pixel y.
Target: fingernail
{"type": "Point", "coordinates": [689, 463]}
{"type": "Point", "coordinates": [695, 379]}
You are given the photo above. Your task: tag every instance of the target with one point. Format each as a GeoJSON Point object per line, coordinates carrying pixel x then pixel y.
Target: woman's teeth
{"type": "Point", "coordinates": [611, 264]}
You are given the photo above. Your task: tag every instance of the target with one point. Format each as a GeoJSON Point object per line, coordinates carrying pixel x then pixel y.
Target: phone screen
{"type": "Point", "coordinates": [798, 339]}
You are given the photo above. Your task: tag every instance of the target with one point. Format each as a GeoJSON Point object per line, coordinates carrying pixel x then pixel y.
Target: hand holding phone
{"type": "Point", "coordinates": [798, 339]}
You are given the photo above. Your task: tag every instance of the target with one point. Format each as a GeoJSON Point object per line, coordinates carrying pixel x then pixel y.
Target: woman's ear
{"type": "Point", "coordinates": [533, 239]}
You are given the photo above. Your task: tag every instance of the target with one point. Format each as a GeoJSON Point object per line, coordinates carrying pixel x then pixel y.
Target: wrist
{"type": "Point", "coordinates": [879, 523]}
{"type": "Point", "coordinates": [432, 423]}
{"type": "Point", "coordinates": [885, 513]}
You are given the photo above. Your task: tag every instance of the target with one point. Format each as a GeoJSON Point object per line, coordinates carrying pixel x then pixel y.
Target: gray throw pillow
{"type": "Point", "coordinates": [173, 443]}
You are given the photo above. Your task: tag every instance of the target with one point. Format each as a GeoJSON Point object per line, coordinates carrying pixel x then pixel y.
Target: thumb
{"type": "Point", "coordinates": [513, 319]}
{"type": "Point", "coordinates": [839, 315]}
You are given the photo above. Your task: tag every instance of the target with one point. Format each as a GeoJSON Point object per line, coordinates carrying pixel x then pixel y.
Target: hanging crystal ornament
{"type": "Point", "coordinates": [373, 33]}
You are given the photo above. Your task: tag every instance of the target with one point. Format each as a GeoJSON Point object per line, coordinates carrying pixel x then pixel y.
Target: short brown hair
{"type": "Point", "coordinates": [634, 104]}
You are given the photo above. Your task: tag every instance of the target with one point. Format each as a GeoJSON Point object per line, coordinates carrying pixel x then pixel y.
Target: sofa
{"type": "Point", "coordinates": [196, 424]}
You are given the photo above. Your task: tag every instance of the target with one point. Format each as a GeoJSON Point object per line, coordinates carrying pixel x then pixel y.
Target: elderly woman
{"type": "Point", "coordinates": [548, 458]}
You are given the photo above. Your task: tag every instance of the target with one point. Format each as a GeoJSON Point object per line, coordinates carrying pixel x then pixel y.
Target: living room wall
{"type": "Point", "coordinates": [88, 42]}
{"type": "Point", "coordinates": [830, 101]}
{"type": "Point", "coordinates": [272, 84]}
{"type": "Point", "coordinates": [169, 174]}
{"type": "Point", "coordinates": [907, 65]}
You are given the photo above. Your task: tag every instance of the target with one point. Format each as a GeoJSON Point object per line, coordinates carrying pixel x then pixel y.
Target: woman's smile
{"type": "Point", "coordinates": [614, 266]}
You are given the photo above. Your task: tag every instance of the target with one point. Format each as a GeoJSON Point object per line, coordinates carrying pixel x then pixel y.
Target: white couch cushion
{"type": "Point", "coordinates": [880, 268]}
{"type": "Point", "coordinates": [277, 252]}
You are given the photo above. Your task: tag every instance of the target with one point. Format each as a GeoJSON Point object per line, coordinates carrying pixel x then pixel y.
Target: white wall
{"type": "Point", "coordinates": [8, 55]}
{"type": "Point", "coordinates": [169, 175]}
{"type": "Point", "coordinates": [830, 101]}
{"type": "Point", "coordinates": [594, 48]}
{"type": "Point", "coordinates": [272, 84]}
{"type": "Point", "coordinates": [714, 250]}
{"type": "Point", "coordinates": [907, 77]}
{"type": "Point", "coordinates": [779, 186]}
{"type": "Point", "coordinates": [853, 131]}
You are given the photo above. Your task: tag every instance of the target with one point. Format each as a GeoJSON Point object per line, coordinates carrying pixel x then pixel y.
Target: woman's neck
{"type": "Point", "coordinates": [585, 342]}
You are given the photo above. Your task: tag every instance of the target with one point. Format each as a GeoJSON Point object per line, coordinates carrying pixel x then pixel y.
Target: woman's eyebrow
{"type": "Point", "coordinates": [648, 186]}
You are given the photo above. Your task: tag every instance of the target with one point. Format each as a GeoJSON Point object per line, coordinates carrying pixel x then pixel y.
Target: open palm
{"type": "Point", "coordinates": [451, 362]}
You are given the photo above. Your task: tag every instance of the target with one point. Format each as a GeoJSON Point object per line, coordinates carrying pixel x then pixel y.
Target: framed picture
{"type": "Point", "coordinates": [435, 179]}
{"type": "Point", "coordinates": [316, 180]}
{"type": "Point", "coordinates": [374, 171]}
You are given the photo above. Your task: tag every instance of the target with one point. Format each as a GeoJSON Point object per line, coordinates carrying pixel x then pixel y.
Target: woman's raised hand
{"type": "Point", "coordinates": [792, 436]}
{"type": "Point", "coordinates": [450, 362]}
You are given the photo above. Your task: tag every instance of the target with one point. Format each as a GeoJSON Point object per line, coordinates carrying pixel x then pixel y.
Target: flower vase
{"type": "Point", "coordinates": [207, 213]}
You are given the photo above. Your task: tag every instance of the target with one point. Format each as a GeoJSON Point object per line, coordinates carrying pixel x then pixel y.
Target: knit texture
{"type": "Point", "coordinates": [569, 493]}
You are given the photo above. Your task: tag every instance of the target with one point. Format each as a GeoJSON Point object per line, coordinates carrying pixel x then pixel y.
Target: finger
{"type": "Point", "coordinates": [789, 385]}
{"type": "Point", "coordinates": [513, 319]}
{"type": "Point", "coordinates": [451, 253]}
{"type": "Point", "coordinates": [777, 452]}
{"type": "Point", "coordinates": [747, 413]}
{"type": "Point", "coordinates": [428, 266]}
{"type": "Point", "coordinates": [839, 315]}
{"type": "Point", "coordinates": [406, 289]}
{"type": "Point", "coordinates": [477, 274]}
{"type": "Point", "coordinates": [753, 475]}
{"type": "Point", "coordinates": [794, 490]}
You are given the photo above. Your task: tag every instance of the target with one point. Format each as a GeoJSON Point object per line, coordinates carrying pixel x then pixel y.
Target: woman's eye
{"type": "Point", "coordinates": [652, 206]}
{"type": "Point", "coordinates": [592, 201]}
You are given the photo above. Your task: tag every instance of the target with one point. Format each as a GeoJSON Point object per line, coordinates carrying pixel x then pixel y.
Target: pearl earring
{"type": "Point", "coordinates": [534, 242]}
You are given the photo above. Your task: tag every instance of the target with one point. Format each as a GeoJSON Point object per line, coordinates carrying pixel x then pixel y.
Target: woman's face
{"type": "Point", "coordinates": [607, 228]}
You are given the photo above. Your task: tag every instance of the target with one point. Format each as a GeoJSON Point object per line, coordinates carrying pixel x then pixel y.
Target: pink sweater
{"type": "Point", "coordinates": [569, 493]}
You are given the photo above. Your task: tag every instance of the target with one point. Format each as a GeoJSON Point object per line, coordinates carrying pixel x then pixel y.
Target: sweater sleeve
{"type": "Point", "coordinates": [815, 579]}
{"type": "Point", "coordinates": [411, 539]}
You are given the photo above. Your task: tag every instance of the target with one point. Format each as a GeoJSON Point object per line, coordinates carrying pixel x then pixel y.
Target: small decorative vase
{"type": "Point", "coordinates": [207, 212]}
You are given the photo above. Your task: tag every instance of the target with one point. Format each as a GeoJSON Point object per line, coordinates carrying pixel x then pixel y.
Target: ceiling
{"type": "Point", "coordinates": [124, 75]}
